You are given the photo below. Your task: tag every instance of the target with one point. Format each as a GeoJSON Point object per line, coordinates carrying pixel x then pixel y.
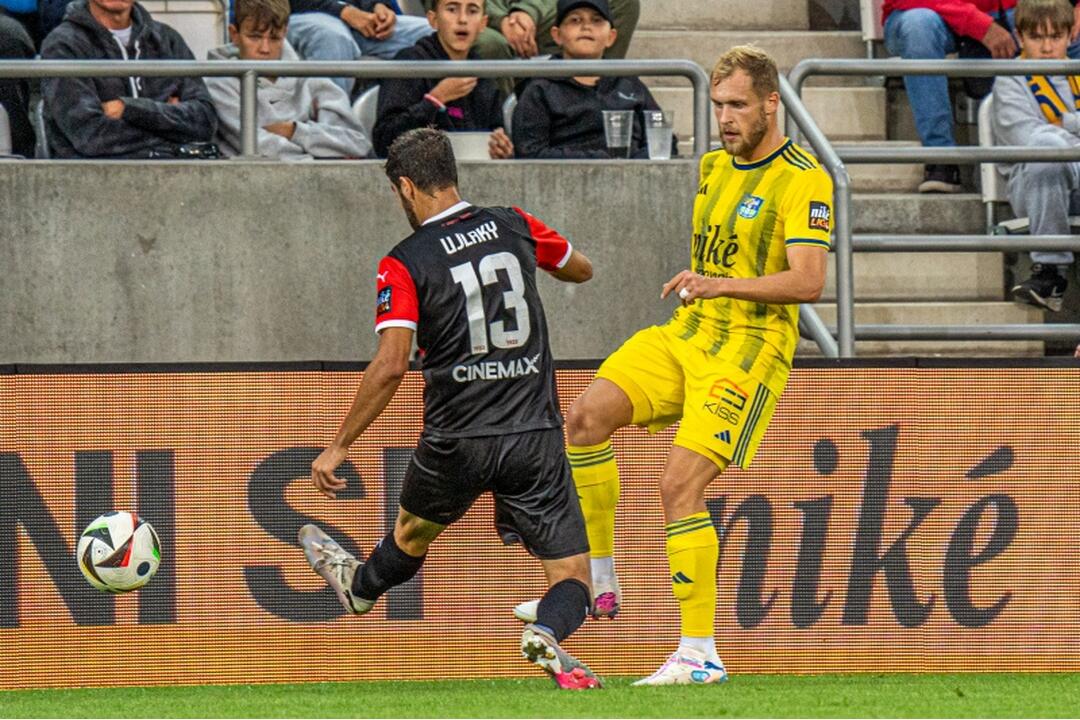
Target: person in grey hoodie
{"type": "Point", "coordinates": [299, 118]}
{"type": "Point", "coordinates": [1042, 111]}
{"type": "Point", "coordinates": [134, 117]}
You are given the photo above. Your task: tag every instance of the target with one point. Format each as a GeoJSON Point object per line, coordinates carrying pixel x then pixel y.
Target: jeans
{"type": "Point", "coordinates": [318, 36]}
{"type": "Point", "coordinates": [921, 34]}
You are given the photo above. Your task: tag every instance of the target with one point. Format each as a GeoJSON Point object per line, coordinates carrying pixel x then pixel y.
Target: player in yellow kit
{"type": "Point", "coordinates": [760, 243]}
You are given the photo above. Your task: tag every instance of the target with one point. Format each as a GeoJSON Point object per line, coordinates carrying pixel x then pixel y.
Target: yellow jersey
{"type": "Point", "coordinates": [745, 218]}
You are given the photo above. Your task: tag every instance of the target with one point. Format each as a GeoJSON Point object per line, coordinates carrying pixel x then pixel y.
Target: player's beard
{"type": "Point", "coordinates": [753, 137]}
{"type": "Point", "coordinates": [410, 212]}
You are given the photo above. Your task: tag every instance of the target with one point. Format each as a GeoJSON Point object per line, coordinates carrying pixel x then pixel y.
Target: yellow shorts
{"type": "Point", "coordinates": [724, 411]}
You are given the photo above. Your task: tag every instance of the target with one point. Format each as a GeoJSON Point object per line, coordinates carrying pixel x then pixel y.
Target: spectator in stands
{"type": "Point", "coordinates": [299, 118]}
{"type": "Point", "coordinates": [450, 104]}
{"type": "Point", "coordinates": [1042, 111]}
{"type": "Point", "coordinates": [930, 29]}
{"type": "Point", "coordinates": [123, 117]}
{"type": "Point", "coordinates": [524, 28]}
{"type": "Point", "coordinates": [15, 44]}
{"type": "Point", "coordinates": [38, 17]}
{"type": "Point", "coordinates": [562, 117]}
{"type": "Point", "coordinates": [350, 29]}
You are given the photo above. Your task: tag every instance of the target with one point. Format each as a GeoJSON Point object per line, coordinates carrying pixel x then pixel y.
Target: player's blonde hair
{"type": "Point", "coordinates": [754, 62]}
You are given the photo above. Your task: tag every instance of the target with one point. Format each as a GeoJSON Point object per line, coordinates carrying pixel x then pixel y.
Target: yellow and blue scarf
{"type": "Point", "coordinates": [1050, 100]}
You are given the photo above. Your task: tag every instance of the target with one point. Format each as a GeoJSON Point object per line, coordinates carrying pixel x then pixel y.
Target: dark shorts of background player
{"type": "Point", "coordinates": [528, 475]}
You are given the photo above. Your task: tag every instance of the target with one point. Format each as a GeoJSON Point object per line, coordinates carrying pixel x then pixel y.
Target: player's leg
{"type": "Point", "coordinates": [561, 611]}
{"type": "Point", "coordinates": [726, 413]}
{"type": "Point", "coordinates": [441, 482]}
{"type": "Point", "coordinates": [693, 551]}
{"type": "Point", "coordinates": [535, 503]}
{"type": "Point", "coordinates": [593, 418]}
{"type": "Point", "coordinates": [639, 384]}
{"type": "Point", "coordinates": [393, 560]}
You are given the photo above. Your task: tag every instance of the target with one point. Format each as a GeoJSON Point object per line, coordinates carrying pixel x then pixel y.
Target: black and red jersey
{"type": "Point", "coordinates": [465, 281]}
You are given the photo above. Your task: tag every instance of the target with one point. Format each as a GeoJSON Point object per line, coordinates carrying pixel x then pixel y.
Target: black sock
{"type": "Point", "coordinates": [563, 608]}
{"type": "Point", "coordinates": [387, 566]}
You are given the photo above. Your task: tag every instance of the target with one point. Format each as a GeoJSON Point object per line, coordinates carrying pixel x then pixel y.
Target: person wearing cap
{"type": "Point", "coordinates": [563, 117]}
{"type": "Point", "coordinates": [524, 28]}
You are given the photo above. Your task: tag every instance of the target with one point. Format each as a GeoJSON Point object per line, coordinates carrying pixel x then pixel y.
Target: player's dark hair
{"type": "Point", "coordinates": [1034, 16]}
{"type": "Point", "coordinates": [424, 156]}
{"type": "Point", "coordinates": [754, 62]}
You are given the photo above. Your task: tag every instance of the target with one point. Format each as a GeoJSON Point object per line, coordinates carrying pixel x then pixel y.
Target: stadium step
{"type": "Point", "coordinates": [885, 178]}
{"type": "Point", "coordinates": [895, 277]}
{"type": "Point", "coordinates": [726, 15]}
{"type": "Point", "coordinates": [843, 113]}
{"type": "Point", "coordinates": [911, 213]}
{"type": "Point", "coordinates": [936, 313]}
{"type": "Point", "coordinates": [703, 47]}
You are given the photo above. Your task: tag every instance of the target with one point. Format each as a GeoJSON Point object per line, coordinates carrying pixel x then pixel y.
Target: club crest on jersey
{"type": "Point", "coordinates": [819, 216]}
{"type": "Point", "coordinates": [750, 206]}
{"type": "Point", "coordinates": [384, 301]}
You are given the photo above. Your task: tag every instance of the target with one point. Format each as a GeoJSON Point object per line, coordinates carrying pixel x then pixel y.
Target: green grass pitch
{"type": "Point", "coordinates": [987, 695]}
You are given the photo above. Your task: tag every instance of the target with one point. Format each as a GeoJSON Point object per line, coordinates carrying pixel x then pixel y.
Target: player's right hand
{"type": "Point", "coordinates": [322, 471]}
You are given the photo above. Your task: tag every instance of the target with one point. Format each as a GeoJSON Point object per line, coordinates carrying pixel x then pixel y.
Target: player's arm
{"type": "Point", "coordinates": [577, 269]}
{"type": "Point", "coordinates": [802, 282]}
{"type": "Point", "coordinates": [554, 253]}
{"type": "Point", "coordinates": [381, 380]}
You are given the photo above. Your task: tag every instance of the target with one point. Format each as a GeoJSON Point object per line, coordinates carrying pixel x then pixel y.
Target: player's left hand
{"type": "Point", "coordinates": [322, 471]}
{"type": "Point", "coordinates": [689, 286]}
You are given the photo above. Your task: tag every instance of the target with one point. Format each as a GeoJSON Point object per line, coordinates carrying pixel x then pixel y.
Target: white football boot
{"type": "Point", "coordinates": [606, 603]}
{"type": "Point", "coordinates": [335, 565]}
{"type": "Point", "coordinates": [686, 667]}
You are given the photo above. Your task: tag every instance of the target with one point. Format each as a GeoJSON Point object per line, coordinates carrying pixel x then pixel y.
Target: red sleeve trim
{"type": "Point", "coordinates": [396, 302]}
{"type": "Point", "coordinates": [552, 249]}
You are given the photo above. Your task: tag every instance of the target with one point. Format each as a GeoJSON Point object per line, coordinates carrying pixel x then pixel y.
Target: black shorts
{"type": "Point", "coordinates": [528, 475]}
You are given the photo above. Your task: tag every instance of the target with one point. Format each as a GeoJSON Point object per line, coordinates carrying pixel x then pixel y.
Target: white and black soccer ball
{"type": "Point", "coordinates": [118, 552]}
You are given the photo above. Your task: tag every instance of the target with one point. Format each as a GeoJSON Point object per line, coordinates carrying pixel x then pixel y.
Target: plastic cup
{"type": "Point", "coordinates": [618, 130]}
{"type": "Point", "coordinates": [659, 125]}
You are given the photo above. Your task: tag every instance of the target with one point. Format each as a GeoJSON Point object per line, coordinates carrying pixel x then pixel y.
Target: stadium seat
{"type": "Point", "coordinates": [364, 110]}
{"type": "Point", "coordinates": [41, 148]}
{"type": "Point", "coordinates": [5, 132]}
{"type": "Point", "coordinates": [508, 112]}
{"type": "Point", "coordinates": [411, 7]}
{"type": "Point", "coordinates": [870, 20]}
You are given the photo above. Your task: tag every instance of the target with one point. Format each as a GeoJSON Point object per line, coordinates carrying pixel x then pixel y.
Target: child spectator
{"type": "Point", "coordinates": [450, 104]}
{"type": "Point", "coordinates": [562, 117]}
{"type": "Point", "coordinates": [299, 117]}
{"type": "Point", "coordinates": [1041, 111]}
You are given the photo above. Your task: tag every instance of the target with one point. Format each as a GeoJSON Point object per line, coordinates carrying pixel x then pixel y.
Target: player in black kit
{"type": "Point", "coordinates": [465, 283]}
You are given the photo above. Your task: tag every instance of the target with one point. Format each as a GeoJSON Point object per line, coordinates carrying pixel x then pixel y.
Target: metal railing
{"type": "Point", "coordinates": [948, 155]}
{"type": "Point", "coordinates": [249, 71]}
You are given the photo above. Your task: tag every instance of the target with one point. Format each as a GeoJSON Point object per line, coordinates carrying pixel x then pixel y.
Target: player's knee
{"type": "Point", "coordinates": [413, 534]}
{"type": "Point", "coordinates": [678, 497]}
{"type": "Point", "coordinates": [585, 424]}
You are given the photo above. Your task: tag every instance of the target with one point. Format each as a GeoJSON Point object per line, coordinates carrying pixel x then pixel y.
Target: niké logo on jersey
{"type": "Point", "coordinates": [383, 306]}
{"type": "Point", "coordinates": [750, 206]}
{"type": "Point", "coordinates": [819, 216]}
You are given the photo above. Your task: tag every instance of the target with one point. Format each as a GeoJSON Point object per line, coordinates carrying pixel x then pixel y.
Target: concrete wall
{"type": "Point", "coordinates": [237, 261]}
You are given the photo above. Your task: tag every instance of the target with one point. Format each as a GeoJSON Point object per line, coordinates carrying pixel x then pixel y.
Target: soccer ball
{"type": "Point", "coordinates": [118, 552]}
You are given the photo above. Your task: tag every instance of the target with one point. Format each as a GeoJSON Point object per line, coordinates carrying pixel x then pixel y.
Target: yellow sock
{"type": "Point", "coordinates": [693, 551]}
{"type": "Point", "coordinates": [597, 479]}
